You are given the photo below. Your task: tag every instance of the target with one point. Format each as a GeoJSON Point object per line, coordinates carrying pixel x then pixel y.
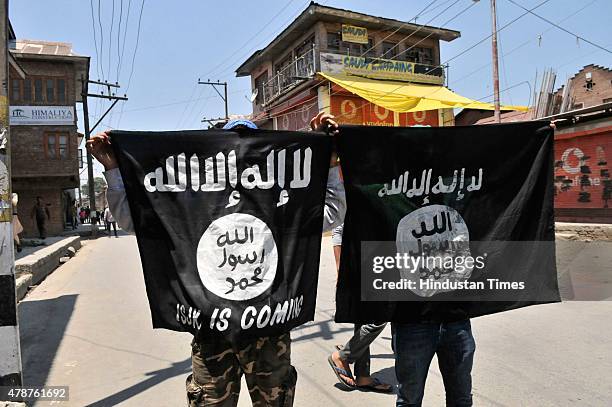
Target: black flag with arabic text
{"type": "Point", "coordinates": [228, 225]}
{"type": "Point", "coordinates": [446, 223]}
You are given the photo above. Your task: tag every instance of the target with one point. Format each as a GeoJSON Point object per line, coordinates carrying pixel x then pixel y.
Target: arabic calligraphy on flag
{"type": "Point", "coordinates": [226, 224]}
{"type": "Point", "coordinates": [446, 223]}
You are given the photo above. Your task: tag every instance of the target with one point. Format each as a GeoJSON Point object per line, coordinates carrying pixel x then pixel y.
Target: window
{"type": "Point", "coordinates": [335, 43]}
{"type": "Point", "coordinates": [15, 90]}
{"type": "Point", "coordinates": [62, 146]}
{"type": "Point", "coordinates": [46, 90]}
{"type": "Point", "coordinates": [369, 51]}
{"type": "Point", "coordinates": [56, 146]}
{"type": "Point", "coordinates": [51, 146]}
{"type": "Point", "coordinates": [50, 90]}
{"type": "Point", "coordinates": [420, 55]}
{"type": "Point", "coordinates": [389, 50]}
{"type": "Point", "coordinates": [27, 90]}
{"type": "Point", "coordinates": [38, 93]}
{"type": "Point", "coordinates": [61, 90]}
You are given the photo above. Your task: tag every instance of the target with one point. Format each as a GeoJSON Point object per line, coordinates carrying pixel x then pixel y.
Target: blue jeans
{"type": "Point", "coordinates": [415, 345]}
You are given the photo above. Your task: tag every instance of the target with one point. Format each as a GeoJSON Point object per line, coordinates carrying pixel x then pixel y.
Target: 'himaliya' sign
{"type": "Point", "coordinates": [41, 115]}
{"type": "Point", "coordinates": [228, 226]}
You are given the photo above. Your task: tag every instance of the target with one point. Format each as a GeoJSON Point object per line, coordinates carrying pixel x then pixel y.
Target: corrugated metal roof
{"type": "Point", "coordinates": [43, 48]}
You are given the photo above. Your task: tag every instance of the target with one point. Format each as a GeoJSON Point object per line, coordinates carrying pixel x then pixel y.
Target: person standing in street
{"type": "Point", "coordinates": [109, 221]}
{"type": "Point", "coordinates": [41, 214]}
{"type": "Point", "coordinates": [357, 349]}
{"type": "Point", "coordinates": [217, 364]}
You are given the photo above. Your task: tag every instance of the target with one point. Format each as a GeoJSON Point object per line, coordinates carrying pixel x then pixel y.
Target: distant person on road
{"type": "Point", "coordinates": [17, 227]}
{"type": "Point", "coordinates": [109, 221]}
{"type": "Point", "coordinates": [83, 216]}
{"type": "Point", "coordinates": [218, 365]}
{"type": "Point", "coordinates": [73, 215]}
{"type": "Point", "coordinates": [40, 212]}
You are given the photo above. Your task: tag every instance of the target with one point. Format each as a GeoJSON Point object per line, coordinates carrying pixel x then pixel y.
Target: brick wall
{"type": "Point", "coordinates": [51, 194]}
{"type": "Point", "coordinates": [601, 89]}
{"type": "Point", "coordinates": [28, 152]}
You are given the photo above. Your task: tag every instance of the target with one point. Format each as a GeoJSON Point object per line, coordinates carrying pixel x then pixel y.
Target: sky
{"type": "Point", "coordinates": [182, 41]}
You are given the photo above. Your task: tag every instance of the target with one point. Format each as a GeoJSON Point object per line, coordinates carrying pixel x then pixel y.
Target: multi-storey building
{"type": "Point", "coordinates": [287, 91]}
{"type": "Point", "coordinates": [44, 138]}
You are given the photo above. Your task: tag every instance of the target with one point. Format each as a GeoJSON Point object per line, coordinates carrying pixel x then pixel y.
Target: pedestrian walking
{"type": "Point", "coordinates": [357, 350]}
{"type": "Point", "coordinates": [110, 222]}
{"type": "Point", "coordinates": [74, 215]}
{"type": "Point", "coordinates": [217, 364]}
{"type": "Point", "coordinates": [17, 227]}
{"type": "Point", "coordinates": [41, 214]}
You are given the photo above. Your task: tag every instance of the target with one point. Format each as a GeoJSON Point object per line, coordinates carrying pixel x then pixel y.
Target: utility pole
{"type": "Point", "coordinates": [110, 96]}
{"type": "Point", "coordinates": [497, 113]}
{"type": "Point", "coordinates": [10, 350]}
{"type": "Point", "coordinates": [223, 97]}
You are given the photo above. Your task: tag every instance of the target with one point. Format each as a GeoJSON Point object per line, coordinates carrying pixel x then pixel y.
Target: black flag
{"type": "Point", "coordinates": [228, 225]}
{"type": "Point", "coordinates": [446, 223]}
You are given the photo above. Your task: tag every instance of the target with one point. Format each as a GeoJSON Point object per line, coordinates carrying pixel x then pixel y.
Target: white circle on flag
{"type": "Point", "coordinates": [237, 257]}
{"type": "Point", "coordinates": [439, 236]}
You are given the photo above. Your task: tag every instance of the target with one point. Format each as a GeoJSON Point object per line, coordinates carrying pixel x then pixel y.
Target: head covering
{"type": "Point", "coordinates": [239, 122]}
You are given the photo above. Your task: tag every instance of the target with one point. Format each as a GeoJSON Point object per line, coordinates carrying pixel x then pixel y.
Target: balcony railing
{"type": "Point", "coordinates": [300, 69]}
{"type": "Point", "coordinates": [305, 66]}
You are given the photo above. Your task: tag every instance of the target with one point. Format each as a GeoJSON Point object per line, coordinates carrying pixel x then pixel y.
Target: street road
{"type": "Point", "coordinates": [88, 326]}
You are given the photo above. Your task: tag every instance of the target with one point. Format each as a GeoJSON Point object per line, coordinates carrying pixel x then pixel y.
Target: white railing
{"type": "Point", "coordinates": [300, 69]}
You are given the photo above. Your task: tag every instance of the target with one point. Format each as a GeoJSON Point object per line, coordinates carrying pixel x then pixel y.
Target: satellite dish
{"type": "Point", "coordinates": [254, 95]}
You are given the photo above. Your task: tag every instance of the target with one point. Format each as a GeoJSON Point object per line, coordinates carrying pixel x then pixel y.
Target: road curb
{"type": "Point", "coordinates": [32, 269]}
{"type": "Point", "coordinates": [583, 231]}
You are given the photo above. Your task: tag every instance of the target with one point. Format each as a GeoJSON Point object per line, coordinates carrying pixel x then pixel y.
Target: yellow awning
{"type": "Point", "coordinates": [408, 97]}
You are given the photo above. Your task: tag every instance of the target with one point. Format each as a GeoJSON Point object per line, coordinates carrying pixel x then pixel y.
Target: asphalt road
{"type": "Point", "coordinates": [88, 326]}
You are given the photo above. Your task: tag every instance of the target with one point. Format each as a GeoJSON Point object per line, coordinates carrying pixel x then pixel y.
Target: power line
{"type": "Point", "coordinates": [522, 44]}
{"type": "Point", "coordinates": [93, 26]}
{"type": "Point", "coordinates": [136, 46]}
{"type": "Point", "coordinates": [101, 42]}
{"type": "Point", "coordinates": [180, 102]}
{"type": "Point", "coordinates": [561, 28]}
{"type": "Point", "coordinates": [402, 25]}
{"type": "Point", "coordinates": [238, 49]}
{"type": "Point", "coordinates": [417, 30]}
{"type": "Point", "coordinates": [119, 39]}
{"type": "Point", "coordinates": [498, 30]}
{"type": "Point", "coordinates": [127, 20]}
{"type": "Point", "coordinates": [191, 98]}
{"type": "Point", "coordinates": [432, 10]}
{"type": "Point", "coordinates": [110, 41]}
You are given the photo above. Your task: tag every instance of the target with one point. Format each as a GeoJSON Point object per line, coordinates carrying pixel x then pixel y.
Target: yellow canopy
{"type": "Point", "coordinates": [408, 97]}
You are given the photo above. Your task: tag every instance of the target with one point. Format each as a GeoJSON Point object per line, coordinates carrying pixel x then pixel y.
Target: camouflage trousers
{"type": "Point", "coordinates": [217, 368]}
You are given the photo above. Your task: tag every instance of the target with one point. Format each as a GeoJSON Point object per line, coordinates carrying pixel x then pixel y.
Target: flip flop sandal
{"type": "Point", "coordinates": [338, 371]}
{"type": "Point", "coordinates": [374, 386]}
{"type": "Point", "coordinates": [339, 347]}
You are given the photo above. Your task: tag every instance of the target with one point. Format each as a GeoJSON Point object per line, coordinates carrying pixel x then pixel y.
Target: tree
{"type": "Point", "coordinates": [99, 186]}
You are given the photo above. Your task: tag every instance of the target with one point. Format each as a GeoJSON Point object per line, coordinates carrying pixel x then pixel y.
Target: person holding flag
{"type": "Point", "coordinates": [217, 364]}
